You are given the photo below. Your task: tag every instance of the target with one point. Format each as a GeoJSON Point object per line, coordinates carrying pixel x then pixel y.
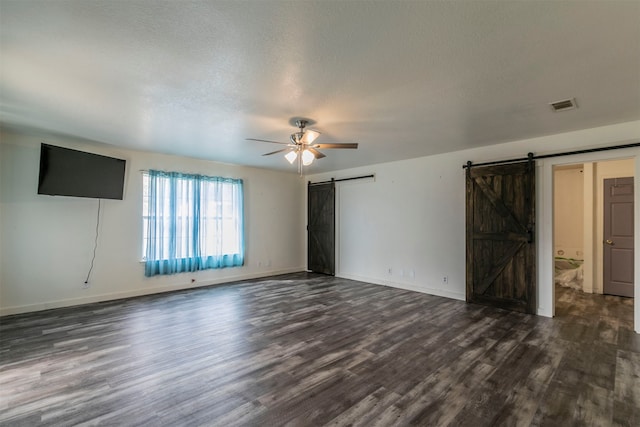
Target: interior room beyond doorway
{"type": "Point", "coordinates": [578, 216]}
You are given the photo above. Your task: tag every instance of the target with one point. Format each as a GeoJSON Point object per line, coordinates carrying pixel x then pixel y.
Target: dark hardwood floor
{"type": "Point", "coordinates": [306, 349]}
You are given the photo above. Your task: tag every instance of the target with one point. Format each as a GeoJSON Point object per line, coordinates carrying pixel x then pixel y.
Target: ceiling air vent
{"type": "Point", "coordinates": [565, 104]}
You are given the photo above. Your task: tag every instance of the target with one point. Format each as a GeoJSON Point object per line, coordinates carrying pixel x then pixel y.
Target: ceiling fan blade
{"type": "Point", "coordinates": [316, 153]}
{"type": "Point", "coordinates": [266, 140]}
{"type": "Point", "coordinates": [277, 151]}
{"type": "Point", "coordinates": [344, 145]}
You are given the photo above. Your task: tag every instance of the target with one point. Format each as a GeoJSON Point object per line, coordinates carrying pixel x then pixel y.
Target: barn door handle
{"type": "Point", "coordinates": [609, 242]}
{"type": "Point", "coordinates": [529, 235]}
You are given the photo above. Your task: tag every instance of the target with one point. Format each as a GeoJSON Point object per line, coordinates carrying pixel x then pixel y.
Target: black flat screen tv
{"type": "Point", "coordinates": [66, 172]}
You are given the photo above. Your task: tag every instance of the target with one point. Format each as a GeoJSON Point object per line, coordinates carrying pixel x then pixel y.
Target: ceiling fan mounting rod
{"type": "Point", "coordinates": [296, 137]}
{"type": "Point", "coordinates": [301, 123]}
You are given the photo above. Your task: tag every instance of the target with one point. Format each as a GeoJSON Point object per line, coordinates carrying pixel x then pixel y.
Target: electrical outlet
{"type": "Point", "coordinates": [445, 279]}
{"type": "Point", "coordinates": [86, 285]}
{"type": "Point", "coordinates": [390, 271]}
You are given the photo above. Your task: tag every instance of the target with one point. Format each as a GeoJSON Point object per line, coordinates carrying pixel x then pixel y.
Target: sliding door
{"type": "Point", "coordinates": [501, 258]}
{"type": "Point", "coordinates": [321, 228]}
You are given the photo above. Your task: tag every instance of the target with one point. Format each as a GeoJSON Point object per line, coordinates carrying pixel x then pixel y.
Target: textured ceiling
{"type": "Point", "coordinates": [403, 79]}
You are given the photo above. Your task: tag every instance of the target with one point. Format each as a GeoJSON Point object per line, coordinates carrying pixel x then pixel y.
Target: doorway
{"type": "Point", "coordinates": [581, 256]}
{"type": "Point", "coordinates": [568, 225]}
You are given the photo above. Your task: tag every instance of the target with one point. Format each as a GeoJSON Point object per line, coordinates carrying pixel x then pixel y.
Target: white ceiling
{"type": "Point", "coordinates": [403, 79]}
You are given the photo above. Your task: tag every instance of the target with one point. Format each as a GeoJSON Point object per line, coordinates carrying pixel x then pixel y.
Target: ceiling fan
{"type": "Point", "coordinates": [301, 146]}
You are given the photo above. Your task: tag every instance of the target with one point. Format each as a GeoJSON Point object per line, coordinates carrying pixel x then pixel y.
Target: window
{"type": "Point", "coordinates": [191, 222]}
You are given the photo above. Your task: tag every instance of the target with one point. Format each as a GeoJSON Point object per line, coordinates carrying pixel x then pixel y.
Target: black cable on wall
{"type": "Point", "coordinates": [95, 246]}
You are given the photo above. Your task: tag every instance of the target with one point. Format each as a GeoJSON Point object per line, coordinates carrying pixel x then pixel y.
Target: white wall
{"type": "Point", "coordinates": [412, 216]}
{"type": "Point", "coordinates": [568, 216]}
{"type": "Point", "coordinates": [398, 222]}
{"type": "Point", "coordinates": [47, 242]}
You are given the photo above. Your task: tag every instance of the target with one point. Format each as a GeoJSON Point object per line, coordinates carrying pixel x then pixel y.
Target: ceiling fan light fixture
{"type": "Point", "coordinates": [309, 136]}
{"type": "Point", "coordinates": [307, 157]}
{"type": "Point", "coordinates": [291, 156]}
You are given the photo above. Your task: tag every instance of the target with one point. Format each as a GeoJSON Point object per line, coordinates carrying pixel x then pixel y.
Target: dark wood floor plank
{"type": "Point", "coordinates": [627, 379]}
{"type": "Point", "coordinates": [362, 412]}
{"type": "Point", "coordinates": [594, 406]}
{"type": "Point", "coordinates": [306, 349]}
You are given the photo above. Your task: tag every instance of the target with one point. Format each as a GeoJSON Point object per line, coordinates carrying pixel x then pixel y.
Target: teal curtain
{"type": "Point", "coordinates": [191, 222]}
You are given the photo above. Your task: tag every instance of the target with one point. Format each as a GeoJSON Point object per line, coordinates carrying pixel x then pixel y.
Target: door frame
{"type": "Point", "coordinates": [544, 216]}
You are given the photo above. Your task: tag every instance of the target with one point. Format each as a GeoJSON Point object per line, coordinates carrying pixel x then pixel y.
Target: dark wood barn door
{"type": "Point", "coordinates": [618, 237]}
{"type": "Point", "coordinates": [501, 258]}
{"type": "Point", "coordinates": [321, 228]}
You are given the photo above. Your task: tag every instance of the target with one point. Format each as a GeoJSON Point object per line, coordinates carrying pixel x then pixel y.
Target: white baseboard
{"type": "Point", "coordinates": [47, 305]}
{"type": "Point", "coordinates": [544, 311]}
{"type": "Point", "coordinates": [406, 286]}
